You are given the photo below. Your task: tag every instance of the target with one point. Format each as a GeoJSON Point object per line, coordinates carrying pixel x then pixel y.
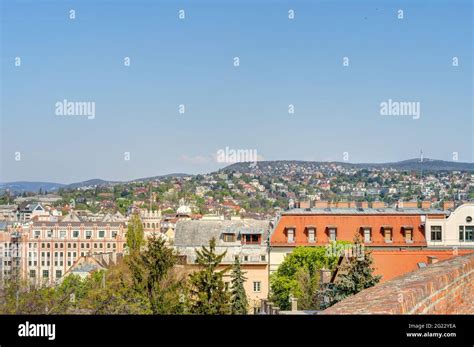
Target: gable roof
{"type": "Point", "coordinates": [71, 217]}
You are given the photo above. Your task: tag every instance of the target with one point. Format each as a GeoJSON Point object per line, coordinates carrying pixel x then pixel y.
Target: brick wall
{"type": "Point", "coordinates": [446, 287]}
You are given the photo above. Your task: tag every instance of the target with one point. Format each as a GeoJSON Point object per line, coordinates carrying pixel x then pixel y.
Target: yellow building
{"type": "Point", "coordinates": [245, 239]}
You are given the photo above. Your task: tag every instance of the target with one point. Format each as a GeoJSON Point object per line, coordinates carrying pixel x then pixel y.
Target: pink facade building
{"type": "Point", "coordinates": [42, 252]}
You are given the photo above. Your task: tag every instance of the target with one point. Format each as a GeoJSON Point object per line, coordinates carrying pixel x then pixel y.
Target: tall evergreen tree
{"type": "Point", "coordinates": [135, 234]}
{"type": "Point", "coordinates": [239, 303]}
{"type": "Point", "coordinates": [208, 290]}
{"type": "Point", "coordinates": [151, 274]}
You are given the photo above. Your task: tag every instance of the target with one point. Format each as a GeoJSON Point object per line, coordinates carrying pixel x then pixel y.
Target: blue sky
{"type": "Point", "coordinates": [190, 62]}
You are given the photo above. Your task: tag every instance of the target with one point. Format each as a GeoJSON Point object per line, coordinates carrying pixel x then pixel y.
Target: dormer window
{"type": "Point", "coordinates": [408, 231]}
{"type": "Point", "coordinates": [290, 234]}
{"type": "Point", "coordinates": [311, 234]}
{"type": "Point", "coordinates": [250, 238]}
{"type": "Point", "coordinates": [332, 232]}
{"type": "Point", "coordinates": [367, 234]}
{"type": "Point", "coordinates": [228, 237]}
{"type": "Point", "coordinates": [387, 233]}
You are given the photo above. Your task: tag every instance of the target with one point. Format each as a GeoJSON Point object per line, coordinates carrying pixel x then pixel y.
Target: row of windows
{"type": "Point", "coordinates": [58, 260]}
{"type": "Point", "coordinates": [61, 254]}
{"type": "Point", "coordinates": [365, 232]}
{"type": "Point", "coordinates": [246, 258]}
{"type": "Point", "coordinates": [152, 225]}
{"type": "Point", "coordinates": [45, 273]}
{"type": "Point", "coordinates": [466, 233]}
{"type": "Point", "coordinates": [257, 286]}
{"type": "Point", "coordinates": [48, 263]}
{"type": "Point", "coordinates": [63, 234]}
{"type": "Point", "coordinates": [246, 238]}
{"type": "Point", "coordinates": [74, 245]}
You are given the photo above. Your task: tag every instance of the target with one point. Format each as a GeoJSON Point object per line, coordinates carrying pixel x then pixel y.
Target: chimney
{"type": "Point", "coordinates": [448, 205]}
{"type": "Point", "coordinates": [321, 204]}
{"type": "Point", "coordinates": [410, 204]}
{"type": "Point", "coordinates": [378, 204]}
{"type": "Point", "coordinates": [425, 205]}
{"type": "Point", "coordinates": [294, 304]}
{"type": "Point", "coordinates": [432, 259]}
{"type": "Point", "coordinates": [305, 204]}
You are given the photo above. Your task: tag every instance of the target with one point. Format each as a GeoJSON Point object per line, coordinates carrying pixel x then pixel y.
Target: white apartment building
{"type": "Point", "coordinates": [457, 230]}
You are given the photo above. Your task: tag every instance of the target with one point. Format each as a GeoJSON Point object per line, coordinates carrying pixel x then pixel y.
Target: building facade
{"type": "Point", "coordinates": [42, 252]}
{"type": "Point", "coordinates": [151, 222]}
{"type": "Point", "coordinates": [455, 231]}
{"type": "Point", "coordinates": [386, 228]}
{"type": "Point", "coordinates": [245, 239]}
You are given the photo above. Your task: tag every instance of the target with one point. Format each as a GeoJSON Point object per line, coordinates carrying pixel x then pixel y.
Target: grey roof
{"type": "Point", "coordinates": [365, 211]}
{"type": "Point", "coordinates": [86, 267]}
{"type": "Point", "coordinates": [72, 217]}
{"type": "Point", "coordinates": [29, 206]}
{"type": "Point", "coordinates": [197, 233]}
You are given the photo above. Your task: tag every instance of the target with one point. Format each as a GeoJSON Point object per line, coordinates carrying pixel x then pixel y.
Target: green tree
{"type": "Point", "coordinates": [115, 293]}
{"type": "Point", "coordinates": [18, 298]}
{"type": "Point", "coordinates": [208, 291]}
{"type": "Point", "coordinates": [135, 234]}
{"type": "Point", "coordinates": [357, 274]}
{"type": "Point", "coordinates": [298, 275]}
{"type": "Point", "coordinates": [308, 286]}
{"type": "Point", "coordinates": [152, 275]}
{"type": "Point", "coordinates": [239, 303]}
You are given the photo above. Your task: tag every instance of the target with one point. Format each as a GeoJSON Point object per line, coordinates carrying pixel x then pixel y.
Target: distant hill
{"type": "Point", "coordinates": [93, 182]}
{"type": "Point", "coordinates": [280, 166]}
{"type": "Point", "coordinates": [22, 186]}
{"type": "Point", "coordinates": [162, 176]}
{"type": "Point", "coordinates": [426, 164]}
{"type": "Point", "coordinates": [276, 167]}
